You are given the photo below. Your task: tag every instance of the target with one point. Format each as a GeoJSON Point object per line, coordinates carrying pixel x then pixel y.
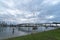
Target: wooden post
{"type": "Point", "coordinates": [50, 25]}
{"type": "Point", "coordinates": [56, 26]}
{"type": "Point", "coordinates": [28, 30]}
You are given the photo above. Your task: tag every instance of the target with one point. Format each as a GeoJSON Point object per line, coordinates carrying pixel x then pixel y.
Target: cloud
{"type": "Point", "coordinates": [9, 3]}
{"type": "Point", "coordinates": [22, 11]}
{"type": "Point", "coordinates": [50, 17]}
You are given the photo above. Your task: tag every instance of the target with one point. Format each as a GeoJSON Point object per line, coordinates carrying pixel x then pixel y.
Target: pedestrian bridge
{"type": "Point", "coordinates": [39, 25]}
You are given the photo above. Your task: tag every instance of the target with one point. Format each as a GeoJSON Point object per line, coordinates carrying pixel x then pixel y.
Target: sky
{"type": "Point", "coordinates": [29, 11]}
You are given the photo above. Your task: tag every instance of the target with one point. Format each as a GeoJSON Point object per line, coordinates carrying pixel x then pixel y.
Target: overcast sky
{"type": "Point", "coordinates": [30, 11]}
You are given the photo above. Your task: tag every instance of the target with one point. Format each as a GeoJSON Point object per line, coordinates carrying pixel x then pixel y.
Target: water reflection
{"type": "Point", "coordinates": [19, 31]}
{"type": "Point", "coordinates": [2, 29]}
{"type": "Point", "coordinates": [13, 31]}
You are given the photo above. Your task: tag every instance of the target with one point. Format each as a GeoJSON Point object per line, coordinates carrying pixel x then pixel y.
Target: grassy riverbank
{"type": "Point", "coordinates": [49, 35]}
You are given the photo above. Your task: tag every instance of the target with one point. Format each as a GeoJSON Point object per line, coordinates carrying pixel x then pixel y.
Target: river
{"type": "Point", "coordinates": [8, 32]}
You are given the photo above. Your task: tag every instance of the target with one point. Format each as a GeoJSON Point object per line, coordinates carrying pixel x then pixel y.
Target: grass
{"type": "Point", "coordinates": [48, 35]}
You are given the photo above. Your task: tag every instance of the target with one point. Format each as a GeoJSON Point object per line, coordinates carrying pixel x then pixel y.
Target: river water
{"type": "Point", "coordinates": [8, 32]}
